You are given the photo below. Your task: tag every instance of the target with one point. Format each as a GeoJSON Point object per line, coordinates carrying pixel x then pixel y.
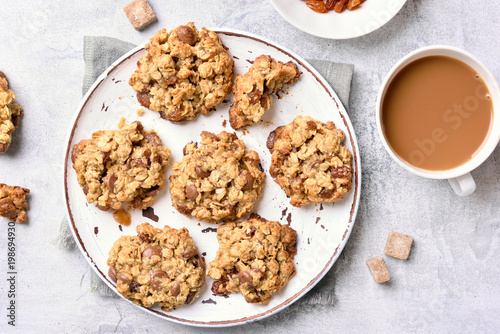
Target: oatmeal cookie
{"type": "Point", "coordinates": [157, 266]}
{"type": "Point", "coordinates": [309, 161]}
{"type": "Point", "coordinates": [252, 90]}
{"type": "Point", "coordinates": [13, 203]}
{"type": "Point", "coordinates": [183, 73]}
{"type": "Point", "coordinates": [255, 258]}
{"type": "Point", "coordinates": [121, 166]}
{"type": "Point", "coordinates": [220, 180]}
{"type": "Point", "coordinates": [10, 113]}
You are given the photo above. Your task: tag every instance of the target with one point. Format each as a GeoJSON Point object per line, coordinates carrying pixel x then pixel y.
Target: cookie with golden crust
{"type": "Point", "coordinates": [160, 266]}
{"type": "Point", "coordinates": [253, 90]}
{"type": "Point", "coordinates": [116, 167]}
{"type": "Point", "coordinates": [255, 258]}
{"type": "Point", "coordinates": [10, 113]}
{"type": "Point", "coordinates": [310, 162]}
{"type": "Point", "coordinates": [13, 203]}
{"type": "Point", "coordinates": [219, 180]}
{"type": "Point", "coordinates": [183, 73]}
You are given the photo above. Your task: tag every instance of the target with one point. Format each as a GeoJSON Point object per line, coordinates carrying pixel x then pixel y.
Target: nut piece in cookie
{"type": "Point", "coordinates": [10, 113]}
{"type": "Point", "coordinates": [160, 266]}
{"type": "Point", "coordinates": [378, 269]}
{"type": "Point", "coordinates": [140, 14]}
{"type": "Point", "coordinates": [255, 258]}
{"type": "Point", "coordinates": [310, 162]}
{"type": "Point", "coordinates": [219, 180]}
{"type": "Point", "coordinates": [13, 203]}
{"type": "Point", "coordinates": [115, 167]}
{"type": "Point", "coordinates": [252, 90]}
{"type": "Point", "coordinates": [398, 245]}
{"type": "Point", "coordinates": [183, 73]}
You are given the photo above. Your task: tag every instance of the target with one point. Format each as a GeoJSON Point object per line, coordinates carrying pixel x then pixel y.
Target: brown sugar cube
{"type": "Point", "coordinates": [398, 245]}
{"type": "Point", "coordinates": [140, 14]}
{"type": "Point", "coordinates": [378, 269]}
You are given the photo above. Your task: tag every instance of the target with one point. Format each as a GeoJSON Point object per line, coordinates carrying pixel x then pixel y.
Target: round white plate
{"type": "Point", "coordinates": [371, 15]}
{"type": "Point", "coordinates": [322, 230]}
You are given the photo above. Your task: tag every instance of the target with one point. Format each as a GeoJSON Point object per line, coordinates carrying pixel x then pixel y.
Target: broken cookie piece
{"type": "Point", "coordinates": [378, 269]}
{"type": "Point", "coordinates": [140, 14]}
{"type": "Point", "coordinates": [10, 113]}
{"type": "Point", "coordinates": [252, 90]}
{"type": "Point", "coordinates": [398, 245]}
{"type": "Point", "coordinates": [13, 204]}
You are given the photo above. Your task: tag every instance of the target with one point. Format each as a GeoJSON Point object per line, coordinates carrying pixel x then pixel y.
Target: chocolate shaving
{"type": "Point", "coordinates": [209, 301]}
{"type": "Point", "coordinates": [150, 213]}
{"type": "Point", "coordinates": [283, 213]}
{"type": "Point", "coordinates": [209, 229]}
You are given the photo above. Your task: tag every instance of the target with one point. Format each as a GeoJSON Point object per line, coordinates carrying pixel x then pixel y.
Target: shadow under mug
{"type": "Point", "coordinates": [459, 177]}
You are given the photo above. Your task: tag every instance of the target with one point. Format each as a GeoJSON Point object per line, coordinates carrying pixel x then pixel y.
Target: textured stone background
{"type": "Point", "coordinates": [449, 284]}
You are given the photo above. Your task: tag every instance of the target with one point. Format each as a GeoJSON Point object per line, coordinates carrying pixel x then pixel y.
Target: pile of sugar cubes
{"type": "Point", "coordinates": [398, 246]}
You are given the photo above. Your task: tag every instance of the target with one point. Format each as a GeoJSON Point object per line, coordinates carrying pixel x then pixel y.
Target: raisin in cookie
{"type": "Point", "coordinates": [10, 113]}
{"type": "Point", "coordinates": [13, 203]}
{"type": "Point", "coordinates": [157, 266]}
{"type": "Point", "coordinates": [121, 166]}
{"type": "Point", "coordinates": [219, 180]}
{"type": "Point", "coordinates": [255, 258]}
{"type": "Point", "coordinates": [252, 90]}
{"type": "Point", "coordinates": [309, 161]}
{"type": "Point", "coordinates": [183, 73]}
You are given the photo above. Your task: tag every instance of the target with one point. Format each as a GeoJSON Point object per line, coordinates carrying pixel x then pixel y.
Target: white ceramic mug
{"type": "Point", "coordinates": [460, 179]}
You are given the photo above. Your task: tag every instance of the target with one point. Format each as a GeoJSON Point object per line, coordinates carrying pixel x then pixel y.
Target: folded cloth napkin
{"type": "Point", "coordinates": [100, 52]}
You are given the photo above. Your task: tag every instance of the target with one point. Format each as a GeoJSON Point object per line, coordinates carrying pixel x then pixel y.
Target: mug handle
{"type": "Point", "coordinates": [463, 185]}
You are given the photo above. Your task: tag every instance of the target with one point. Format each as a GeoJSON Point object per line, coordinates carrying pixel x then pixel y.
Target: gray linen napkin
{"type": "Point", "coordinates": [100, 52]}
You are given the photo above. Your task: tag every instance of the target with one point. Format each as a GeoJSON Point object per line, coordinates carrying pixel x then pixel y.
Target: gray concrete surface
{"type": "Point", "coordinates": [451, 282]}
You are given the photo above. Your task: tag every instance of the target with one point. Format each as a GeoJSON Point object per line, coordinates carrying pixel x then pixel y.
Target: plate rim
{"type": "Point", "coordinates": [338, 250]}
{"type": "Point", "coordinates": [296, 24]}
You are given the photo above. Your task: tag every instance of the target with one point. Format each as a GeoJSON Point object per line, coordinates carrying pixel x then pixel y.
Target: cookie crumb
{"type": "Point", "coordinates": [140, 112]}
{"type": "Point", "coordinates": [398, 245]}
{"type": "Point", "coordinates": [121, 123]}
{"type": "Point", "coordinates": [140, 14]}
{"type": "Point", "coordinates": [378, 269]}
